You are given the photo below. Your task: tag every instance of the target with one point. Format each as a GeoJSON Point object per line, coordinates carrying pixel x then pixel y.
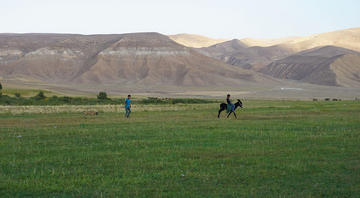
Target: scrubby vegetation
{"type": "Point", "coordinates": [154, 100]}
{"type": "Point", "coordinates": [25, 92]}
{"type": "Point", "coordinates": [41, 99]}
{"type": "Point", "coordinates": [102, 96]}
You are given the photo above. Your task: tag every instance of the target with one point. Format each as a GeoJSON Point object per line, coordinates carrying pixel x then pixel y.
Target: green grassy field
{"type": "Point", "coordinates": [274, 149]}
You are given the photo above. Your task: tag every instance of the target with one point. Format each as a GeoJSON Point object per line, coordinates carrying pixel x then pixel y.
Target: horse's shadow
{"type": "Point", "coordinates": [223, 107]}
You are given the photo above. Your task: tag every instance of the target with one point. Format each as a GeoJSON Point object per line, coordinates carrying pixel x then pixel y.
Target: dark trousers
{"type": "Point", "coordinates": [127, 112]}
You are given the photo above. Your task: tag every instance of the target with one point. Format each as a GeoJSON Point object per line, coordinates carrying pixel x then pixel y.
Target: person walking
{"type": "Point", "coordinates": [127, 106]}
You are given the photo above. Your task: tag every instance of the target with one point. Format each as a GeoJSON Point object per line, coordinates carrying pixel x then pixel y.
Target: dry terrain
{"type": "Point", "coordinates": [196, 41]}
{"type": "Point", "coordinates": [128, 59]}
{"type": "Point", "coordinates": [237, 53]}
{"type": "Point", "coordinates": [348, 38]}
{"type": "Point", "coordinates": [148, 64]}
{"type": "Point", "coordinates": [325, 66]}
{"type": "Point", "coordinates": [250, 42]}
{"type": "Point", "coordinates": [330, 59]}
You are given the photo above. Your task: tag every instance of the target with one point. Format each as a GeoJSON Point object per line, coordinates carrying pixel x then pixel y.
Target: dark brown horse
{"type": "Point", "coordinates": [223, 107]}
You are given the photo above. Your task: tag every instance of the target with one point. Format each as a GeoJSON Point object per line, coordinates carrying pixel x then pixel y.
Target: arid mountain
{"type": "Point", "coordinates": [327, 65]}
{"type": "Point", "coordinates": [127, 59]}
{"type": "Point", "coordinates": [154, 63]}
{"type": "Point", "coordinates": [155, 59]}
{"type": "Point", "coordinates": [241, 52]}
{"type": "Point", "coordinates": [349, 38]}
{"type": "Point", "coordinates": [195, 41]}
{"type": "Point", "coordinates": [50, 57]}
{"type": "Point", "coordinates": [235, 52]}
{"type": "Point", "coordinates": [250, 42]}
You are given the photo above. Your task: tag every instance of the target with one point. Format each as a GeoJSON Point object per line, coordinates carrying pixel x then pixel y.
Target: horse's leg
{"type": "Point", "coordinates": [220, 112]}
{"type": "Point", "coordinates": [229, 114]}
{"type": "Point", "coordinates": [235, 114]}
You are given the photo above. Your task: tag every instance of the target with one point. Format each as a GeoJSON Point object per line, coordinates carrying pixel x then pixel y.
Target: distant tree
{"type": "Point", "coordinates": [102, 96]}
{"type": "Point", "coordinates": [40, 96]}
{"type": "Point", "coordinates": [0, 86]}
{"type": "Point", "coordinates": [18, 95]}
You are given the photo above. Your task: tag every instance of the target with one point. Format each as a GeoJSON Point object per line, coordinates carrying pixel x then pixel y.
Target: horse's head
{"type": "Point", "coordinates": [238, 104]}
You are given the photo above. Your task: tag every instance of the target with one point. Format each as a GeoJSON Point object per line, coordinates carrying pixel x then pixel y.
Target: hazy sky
{"type": "Point", "coordinates": [214, 18]}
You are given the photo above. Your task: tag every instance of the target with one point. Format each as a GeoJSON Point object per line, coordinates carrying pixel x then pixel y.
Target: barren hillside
{"type": "Point", "coordinates": [349, 38]}
{"type": "Point", "coordinates": [134, 59]}
{"type": "Point", "coordinates": [195, 41]}
{"type": "Point", "coordinates": [266, 42]}
{"type": "Point", "coordinates": [235, 52]}
{"type": "Point", "coordinates": [328, 65]}
{"type": "Point", "coordinates": [153, 63]}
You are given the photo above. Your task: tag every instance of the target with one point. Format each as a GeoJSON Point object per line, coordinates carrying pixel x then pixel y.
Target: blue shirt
{"type": "Point", "coordinates": [127, 103]}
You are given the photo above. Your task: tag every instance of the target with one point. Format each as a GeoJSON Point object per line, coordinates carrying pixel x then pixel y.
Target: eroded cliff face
{"type": "Point", "coordinates": [143, 51]}
{"type": "Point", "coordinates": [49, 64]}
{"type": "Point", "coordinates": [347, 70]}
{"type": "Point", "coordinates": [329, 65]}
{"type": "Point", "coordinates": [9, 55]}
{"type": "Point", "coordinates": [140, 58]}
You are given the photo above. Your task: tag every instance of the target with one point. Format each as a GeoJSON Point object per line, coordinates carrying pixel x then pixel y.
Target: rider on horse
{"type": "Point", "coordinates": [230, 106]}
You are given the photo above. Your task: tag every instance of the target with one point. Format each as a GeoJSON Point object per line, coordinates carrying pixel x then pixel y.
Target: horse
{"type": "Point", "coordinates": [223, 106]}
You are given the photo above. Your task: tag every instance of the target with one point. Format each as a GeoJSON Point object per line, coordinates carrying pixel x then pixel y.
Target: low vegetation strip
{"type": "Point", "coordinates": [42, 100]}
{"type": "Point", "coordinates": [97, 108]}
{"type": "Point", "coordinates": [24, 92]}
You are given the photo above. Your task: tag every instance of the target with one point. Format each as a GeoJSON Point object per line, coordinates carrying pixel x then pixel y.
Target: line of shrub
{"type": "Point", "coordinates": [55, 100]}
{"type": "Point", "coordinates": [41, 99]}
{"type": "Point", "coordinates": [154, 100]}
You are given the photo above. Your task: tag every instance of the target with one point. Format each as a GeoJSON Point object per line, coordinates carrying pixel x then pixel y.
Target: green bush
{"type": "Point", "coordinates": [102, 96]}
{"type": "Point", "coordinates": [40, 96]}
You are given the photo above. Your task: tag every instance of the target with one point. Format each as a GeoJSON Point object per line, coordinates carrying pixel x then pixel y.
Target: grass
{"type": "Point", "coordinates": [274, 149]}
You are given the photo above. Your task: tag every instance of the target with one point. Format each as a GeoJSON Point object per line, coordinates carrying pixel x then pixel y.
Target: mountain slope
{"type": "Point", "coordinates": [154, 59]}
{"type": "Point", "coordinates": [349, 38]}
{"type": "Point", "coordinates": [327, 65]}
{"type": "Point", "coordinates": [128, 59]}
{"type": "Point", "coordinates": [241, 52]}
{"type": "Point", "coordinates": [235, 52]}
{"type": "Point", "coordinates": [266, 42]}
{"type": "Point", "coordinates": [195, 41]}
{"type": "Point", "coordinates": [54, 57]}
{"type": "Point", "coordinates": [347, 70]}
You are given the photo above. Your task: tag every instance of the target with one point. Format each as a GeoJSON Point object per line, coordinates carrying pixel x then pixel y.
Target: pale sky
{"type": "Point", "coordinates": [213, 18]}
